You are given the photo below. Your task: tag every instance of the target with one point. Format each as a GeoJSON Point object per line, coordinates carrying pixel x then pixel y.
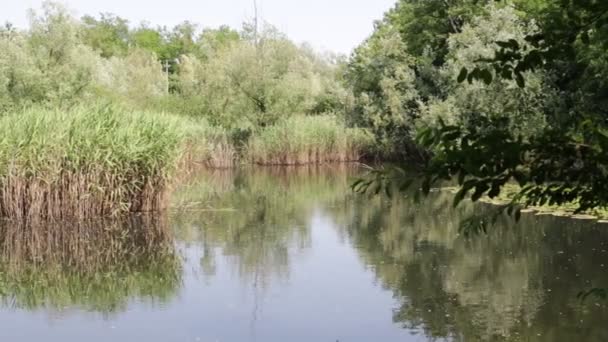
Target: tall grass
{"type": "Point", "coordinates": [302, 140]}
{"type": "Point", "coordinates": [207, 145]}
{"type": "Point", "coordinates": [103, 160]}
{"type": "Point", "coordinates": [85, 162]}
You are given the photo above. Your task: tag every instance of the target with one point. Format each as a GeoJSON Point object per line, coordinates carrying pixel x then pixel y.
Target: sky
{"type": "Point", "coordinates": [331, 25]}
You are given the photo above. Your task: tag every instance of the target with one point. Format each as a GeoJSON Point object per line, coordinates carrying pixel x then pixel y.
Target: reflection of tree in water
{"type": "Point", "coordinates": [518, 283]}
{"type": "Point", "coordinates": [95, 266]}
{"type": "Point", "coordinates": [268, 220]}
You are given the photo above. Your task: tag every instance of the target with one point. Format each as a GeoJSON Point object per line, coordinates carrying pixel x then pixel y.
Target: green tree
{"type": "Point", "coordinates": [565, 162]}
{"type": "Point", "coordinates": [396, 71]}
{"type": "Point", "coordinates": [109, 34]}
{"type": "Point", "coordinates": [247, 83]}
{"type": "Point", "coordinates": [47, 64]}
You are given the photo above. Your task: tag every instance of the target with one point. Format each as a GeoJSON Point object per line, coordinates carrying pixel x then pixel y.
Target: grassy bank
{"type": "Point", "coordinates": [103, 160]}
{"type": "Point", "coordinates": [307, 140]}
{"type": "Point", "coordinates": [206, 145]}
{"type": "Point", "coordinates": [85, 162]}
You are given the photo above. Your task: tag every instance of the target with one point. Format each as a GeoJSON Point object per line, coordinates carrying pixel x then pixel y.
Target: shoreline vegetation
{"type": "Point", "coordinates": [564, 210]}
{"type": "Point", "coordinates": [99, 161]}
{"type": "Point", "coordinates": [101, 117]}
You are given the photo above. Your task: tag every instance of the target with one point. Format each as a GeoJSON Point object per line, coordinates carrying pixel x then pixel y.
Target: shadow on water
{"type": "Point", "coordinates": [94, 266]}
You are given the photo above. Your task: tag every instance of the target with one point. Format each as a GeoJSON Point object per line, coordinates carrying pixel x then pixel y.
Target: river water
{"type": "Point", "coordinates": [293, 255]}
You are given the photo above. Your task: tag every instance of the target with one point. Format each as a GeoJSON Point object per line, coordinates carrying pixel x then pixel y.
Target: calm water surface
{"type": "Point", "coordinates": [292, 255]}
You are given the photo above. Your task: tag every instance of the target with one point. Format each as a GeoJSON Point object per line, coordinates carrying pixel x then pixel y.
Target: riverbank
{"type": "Point", "coordinates": [103, 160]}
{"type": "Point", "coordinates": [565, 210]}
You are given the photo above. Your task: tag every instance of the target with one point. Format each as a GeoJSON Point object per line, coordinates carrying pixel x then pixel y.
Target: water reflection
{"type": "Point", "coordinates": [517, 283]}
{"type": "Point", "coordinates": [257, 218]}
{"type": "Point", "coordinates": [94, 266]}
{"type": "Point", "coordinates": [292, 254]}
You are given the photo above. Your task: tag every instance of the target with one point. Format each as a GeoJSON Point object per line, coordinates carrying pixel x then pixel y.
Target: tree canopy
{"type": "Point", "coordinates": [518, 94]}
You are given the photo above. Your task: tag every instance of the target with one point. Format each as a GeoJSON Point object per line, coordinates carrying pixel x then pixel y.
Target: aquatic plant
{"type": "Point", "coordinates": [308, 140]}
{"type": "Point", "coordinates": [89, 161]}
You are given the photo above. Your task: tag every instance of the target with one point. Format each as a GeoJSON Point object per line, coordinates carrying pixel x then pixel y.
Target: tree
{"type": "Point", "coordinates": [382, 78]}
{"type": "Point", "coordinates": [145, 37]}
{"type": "Point", "coordinates": [564, 163]}
{"type": "Point", "coordinates": [47, 64]}
{"type": "Point", "coordinates": [246, 83]}
{"type": "Point", "coordinates": [567, 161]}
{"type": "Point", "coordinates": [396, 71]}
{"type": "Point", "coordinates": [109, 34]}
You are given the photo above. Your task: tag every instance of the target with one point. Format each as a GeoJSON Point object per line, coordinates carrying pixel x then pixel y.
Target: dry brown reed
{"type": "Point", "coordinates": [78, 196]}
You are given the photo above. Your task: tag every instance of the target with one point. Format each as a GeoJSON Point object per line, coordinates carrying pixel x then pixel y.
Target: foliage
{"type": "Point", "coordinates": [46, 65]}
{"type": "Point", "coordinates": [464, 104]}
{"type": "Point", "coordinates": [566, 161]}
{"type": "Point", "coordinates": [86, 162]}
{"type": "Point", "coordinates": [227, 84]}
{"type": "Point", "coordinates": [109, 34]}
{"type": "Point", "coordinates": [249, 83]}
{"type": "Point", "coordinates": [549, 135]}
{"type": "Point", "coordinates": [382, 81]}
{"type": "Point", "coordinates": [136, 79]}
{"type": "Point", "coordinates": [396, 71]}
{"type": "Point", "coordinates": [304, 140]}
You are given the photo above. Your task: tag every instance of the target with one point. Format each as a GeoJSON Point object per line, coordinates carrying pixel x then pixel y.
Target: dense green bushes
{"type": "Point", "coordinates": [237, 80]}
{"type": "Point", "coordinates": [511, 91]}
{"type": "Point", "coordinates": [248, 96]}
{"type": "Point", "coordinates": [403, 82]}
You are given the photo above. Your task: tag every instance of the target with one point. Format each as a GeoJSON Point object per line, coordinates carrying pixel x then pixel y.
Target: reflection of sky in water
{"type": "Point", "coordinates": [327, 296]}
{"type": "Point", "coordinates": [298, 259]}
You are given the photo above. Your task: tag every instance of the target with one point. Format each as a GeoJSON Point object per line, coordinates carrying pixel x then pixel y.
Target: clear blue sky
{"type": "Point", "coordinates": [335, 25]}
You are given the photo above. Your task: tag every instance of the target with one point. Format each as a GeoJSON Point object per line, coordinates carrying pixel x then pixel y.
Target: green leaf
{"type": "Point", "coordinates": [495, 191]}
{"type": "Point", "coordinates": [463, 75]}
{"type": "Point", "coordinates": [519, 78]}
{"type": "Point", "coordinates": [504, 45]}
{"type": "Point", "coordinates": [486, 75]}
{"type": "Point", "coordinates": [480, 189]}
{"type": "Point", "coordinates": [514, 44]}
{"type": "Point", "coordinates": [585, 38]}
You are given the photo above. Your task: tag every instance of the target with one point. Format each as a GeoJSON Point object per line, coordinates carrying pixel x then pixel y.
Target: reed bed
{"type": "Point", "coordinates": [104, 161]}
{"type": "Point", "coordinates": [207, 145]}
{"type": "Point", "coordinates": [85, 162]}
{"type": "Point", "coordinates": [301, 140]}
